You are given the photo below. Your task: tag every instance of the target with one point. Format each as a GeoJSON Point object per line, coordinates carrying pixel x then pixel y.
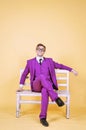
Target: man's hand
{"type": "Point", "coordinates": [74, 72]}
{"type": "Point", "coordinates": [20, 89]}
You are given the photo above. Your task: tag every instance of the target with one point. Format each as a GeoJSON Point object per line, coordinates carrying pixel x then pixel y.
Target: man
{"type": "Point", "coordinates": [43, 79]}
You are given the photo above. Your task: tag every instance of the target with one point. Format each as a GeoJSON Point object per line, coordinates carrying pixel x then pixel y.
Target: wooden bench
{"type": "Point", "coordinates": [63, 84]}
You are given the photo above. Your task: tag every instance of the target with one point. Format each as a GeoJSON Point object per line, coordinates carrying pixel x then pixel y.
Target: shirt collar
{"type": "Point", "coordinates": [38, 58]}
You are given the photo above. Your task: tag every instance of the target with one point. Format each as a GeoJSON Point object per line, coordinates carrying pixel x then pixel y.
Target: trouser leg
{"type": "Point", "coordinates": [40, 82]}
{"type": "Point", "coordinates": [44, 103]}
{"type": "Point", "coordinates": [48, 85]}
{"type": "Point", "coordinates": [44, 86]}
{"type": "Point", "coordinates": [37, 87]}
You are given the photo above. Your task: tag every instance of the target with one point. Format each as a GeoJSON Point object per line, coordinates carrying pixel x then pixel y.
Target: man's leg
{"type": "Point", "coordinates": [44, 103]}
{"type": "Point", "coordinates": [48, 86]}
{"type": "Point", "coordinates": [40, 82]}
{"type": "Point", "coordinates": [44, 100]}
{"type": "Point", "coordinates": [44, 86]}
{"type": "Point", "coordinates": [37, 85]}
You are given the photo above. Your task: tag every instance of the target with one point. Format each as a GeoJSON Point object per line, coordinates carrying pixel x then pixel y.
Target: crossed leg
{"type": "Point", "coordinates": [41, 84]}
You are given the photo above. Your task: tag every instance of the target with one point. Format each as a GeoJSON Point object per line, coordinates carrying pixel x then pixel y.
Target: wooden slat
{"type": "Point", "coordinates": [61, 78]}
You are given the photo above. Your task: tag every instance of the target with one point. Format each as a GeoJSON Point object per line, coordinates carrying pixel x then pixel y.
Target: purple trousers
{"type": "Point", "coordinates": [43, 85]}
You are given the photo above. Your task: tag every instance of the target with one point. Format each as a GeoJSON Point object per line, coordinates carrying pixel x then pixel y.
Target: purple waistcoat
{"type": "Point", "coordinates": [42, 69]}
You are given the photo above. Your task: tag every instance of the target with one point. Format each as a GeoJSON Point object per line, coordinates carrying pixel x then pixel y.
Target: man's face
{"type": "Point", "coordinates": [40, 51]}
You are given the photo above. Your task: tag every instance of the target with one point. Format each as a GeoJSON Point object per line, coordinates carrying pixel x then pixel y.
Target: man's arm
{"type": "Point", "coordinates": [61, 66]}
{"type": "Point", "coordinates": [23, 77]}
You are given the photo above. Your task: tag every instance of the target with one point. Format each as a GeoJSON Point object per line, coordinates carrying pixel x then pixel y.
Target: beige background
{"type": "Point", "coordinates": [61, 26]}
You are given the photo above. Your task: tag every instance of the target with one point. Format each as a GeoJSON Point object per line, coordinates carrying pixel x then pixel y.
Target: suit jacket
{"type": "Point", "coordinates": [30, 68]}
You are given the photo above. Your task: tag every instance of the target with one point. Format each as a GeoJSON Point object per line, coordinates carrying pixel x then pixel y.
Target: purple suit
{"type": "Point", "coordinates": [43, 79]}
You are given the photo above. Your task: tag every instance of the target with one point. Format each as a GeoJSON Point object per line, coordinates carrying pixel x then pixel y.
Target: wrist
{"type": "Point", "coordinates": [21, 85]}
{"type": "Point", "coordinates": [72, 70]}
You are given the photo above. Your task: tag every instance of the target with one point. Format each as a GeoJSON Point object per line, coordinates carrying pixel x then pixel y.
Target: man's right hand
{"type": "Point", "coordinates": [20, 89]}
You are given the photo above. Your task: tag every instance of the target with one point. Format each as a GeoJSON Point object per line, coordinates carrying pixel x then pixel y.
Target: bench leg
{"type": "Point", "coordinates": [17, 105]}
{"type": "Point", "coordinates": [68, 108]}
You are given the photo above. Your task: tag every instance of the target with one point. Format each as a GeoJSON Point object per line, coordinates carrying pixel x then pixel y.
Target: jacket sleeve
{"type": "Point", "coordinates": [25, 73]}
{"type": "Point", "coordinates": [61, 66]}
